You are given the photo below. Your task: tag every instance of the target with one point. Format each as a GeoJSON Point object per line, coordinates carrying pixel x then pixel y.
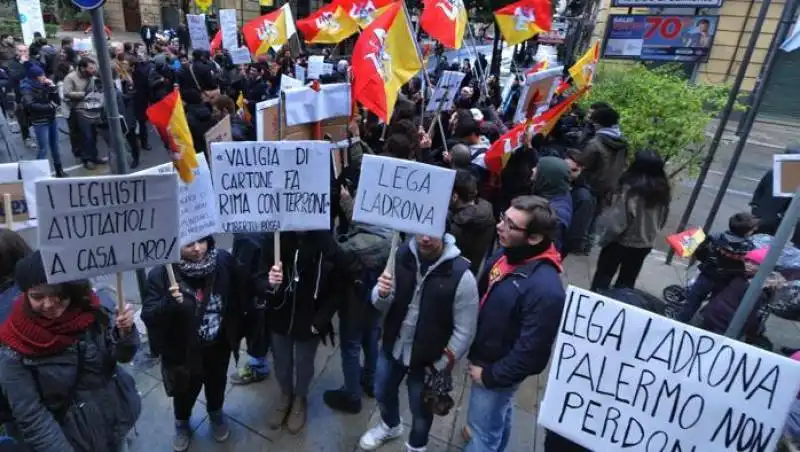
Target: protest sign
{"type": "Point", "coordinates": [240, 55]}
{"type": "Point", "coordinates": [538, 92]}
{"type": "Point", "coordinates": [265, 186]}
{"type": "Point", "coordinates": [446, 90]}
{"type": "Point", "coordinates": [786, 171]}
{"type": "Point", "coordinates": [300, 73]}
{"type": "Point", "coordinates": [327, 68]}
{"type": "Point", "coordinates": [289, 82]}
{"type": "Point", "coordinates": [269, 126]}
{"type": "Point", "coordinates": [30, 171]}
{"type": "Point", "coordinates": [196, 23]}
{"type": "Point", "coordinates": [108, 224]}
{"type": "Point", "coordinates": [19, 208]}
{"type": "Point", "coordinates": [623, 378]}
{"type": "Point", "coordinates": [230, 29]}
{"type": "Point", "coordinates": [403, 195]}
{"type": "Point", "coordinates": [197, 204]}
{"type": "Point", "coordinates": [308, 105]}
{"type": "Point", "coordinates": [315, 67]}
{"type": "Point", "coordinates": [221, 131]}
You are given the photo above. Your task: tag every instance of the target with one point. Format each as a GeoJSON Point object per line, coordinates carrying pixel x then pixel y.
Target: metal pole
{"type": "Point", "coordinates": [723, 121]}
{"type": "Point", "coordinates": [109, 91]}
{"type": "Point", "coordinates": [758, 97]}
{"type": "Point", "coordinates": [776, 248]}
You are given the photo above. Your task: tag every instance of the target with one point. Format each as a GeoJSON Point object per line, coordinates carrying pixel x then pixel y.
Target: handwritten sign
{"type": "Point", "coordinates": [403, 195]}
{"type": "Point", "coordinates": [230, 30]}
{"type": "Point", "coordinates": [240, 55]}
{"type": "Point", "coordinates": [19, 208]}
{"type": "Point", "coordinates": [315, 67]}
{"type": "Point", "coordinates": [304, 105]}
{"type": "Point", "coordinates": [109, 224]}
{"type": "Point", "coordinates": [626, 379]}
{"type": "Point", "coordinates": [221, 131]}
{"type": "Point", "coordinates": [786, 174]}
{"type": "Point", "coordinates": [446, 90]}
{"type": "Point", "coordinates": [198, 214]}
{"type": "Point", "coordinates": [264, 186]}
{"type": "Point", "coordinates": [289, 82]}
{"type": "Point", "coordinates": [196, 23]}
{"type": "Point", "coordinates": [300, 73]}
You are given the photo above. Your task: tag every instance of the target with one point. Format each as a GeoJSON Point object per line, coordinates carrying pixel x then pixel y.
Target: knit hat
{"type": "Point", "coordinates": [29, 272]}
{"type": "Point", "coordinates": [35, 71]}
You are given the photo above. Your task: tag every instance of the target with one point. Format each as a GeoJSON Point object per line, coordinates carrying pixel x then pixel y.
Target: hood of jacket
{"type": "Point", "coordinates": [450, 251]}
{"type": "Point", "coordinates": [612, 138]}
{"type": "Point", "coordinates": [476, 216]}
{"type": "Point", "coordinates": [552, 177]}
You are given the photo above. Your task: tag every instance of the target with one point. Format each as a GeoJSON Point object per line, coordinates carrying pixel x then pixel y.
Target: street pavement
{"type": "Point", "coordinates": [248, 406]}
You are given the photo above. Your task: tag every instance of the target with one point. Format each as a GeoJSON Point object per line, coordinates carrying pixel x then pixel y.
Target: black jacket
{"type": "Point", "coordinates": [143, 33]}
{"type": "Point", "coordinates": [40, 101]}
{"type": "Point", "coordinates": [199, 118]}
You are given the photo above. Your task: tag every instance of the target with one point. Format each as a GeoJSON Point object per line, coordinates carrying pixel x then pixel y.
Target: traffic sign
{"type": "Point", "coordinates": [88, 4]}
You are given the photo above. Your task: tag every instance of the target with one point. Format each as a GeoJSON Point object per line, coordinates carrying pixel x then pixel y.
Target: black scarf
{"type": "Point", "coordinates": [519, 254]}
{"type": "Point", "coordinates": [202, 268]}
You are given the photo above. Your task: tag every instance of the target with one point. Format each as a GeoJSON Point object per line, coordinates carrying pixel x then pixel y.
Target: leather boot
{"type": "Point", "coordinates": [60, 171]}
{"type": "Point", "coordinates": [278, 416]}
{"type": "Point", "coordinates": [297, 418]}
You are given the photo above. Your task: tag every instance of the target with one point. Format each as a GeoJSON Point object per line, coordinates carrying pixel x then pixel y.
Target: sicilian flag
{"type": "Point", "coordinates": [243, 111]}
{"type": "Point", "coordinates": [216, 43]}
{"type": "Point", "coordinates": [546, 121]}
{"type": "Point", "coordinates": [385, 57]}
{"type": "Point", "coordinates": [496, 158]}
{"type": "Point", "coordinates": [582, 72]}
{"type": "Point", "coordinates": [170, 121]}
{"type": "Point", "coordinates": [539, 66]}
{"type": "Point", "coordinates": [329, 25]}
{"type": "Point", "coordinates": [365, 11]}
{"type": "Point", "coordinates": [270, 30]}
{"type": "Point", "coordinates": [524, 19]}
{"type": "Point", "coordinates": [686, 243]}
{"type": "Point", "coordinates": [445, 21]}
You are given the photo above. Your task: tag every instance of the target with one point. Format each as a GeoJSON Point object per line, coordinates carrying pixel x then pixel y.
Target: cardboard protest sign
{"type": "Point", "coordinates": [221, 131]}
{"type": "Point", "coordinates": [538, 92]}
{"type": "Point", "coordinates": [198, 215]}
{"type": "Point", "coordinates": [108, 224]}
{"type": "Point", "coordinates": [265, 186]}
{"type": "Point", "coordinates": [19, 207]}
{"type": "Point", "coordinates": [307, 105]}
{"type": "Point", "coordinates": [446, 90]}
{"type": "Point", "coordinates": [230, 29]}
{"type": "Point", "coordinates": [29, 171]}
{"type": "Point", "coordinates": [403, 195]}
{"type": "Point", "coordinates": [240, 55]}
{"type": "Point", "coordinates": [786, 174]}
{"type": "Point", "coordinates": [269, 126]}
{"type": "Point", "coordinates": [624, 379]}
{"type": "Point", "coordinates": [196, 23]}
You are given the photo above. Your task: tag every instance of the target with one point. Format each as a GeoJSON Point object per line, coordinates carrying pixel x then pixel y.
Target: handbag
{"type": "Point", "coordinates": [91, 107]}
{"type": "Point", "coordinates": [208, 96]}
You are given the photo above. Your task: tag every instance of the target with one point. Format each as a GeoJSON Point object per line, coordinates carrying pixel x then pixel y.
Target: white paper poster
{"type": "Point", "coordinates": [198, 214]}
{"type": "Point", "coordinates": [446, 90]}
{"type": "Point", "coordinates": [30, 171]}
{"type": "Point", "coordinates": [305, 105]}
{"type": "Point", "coordinates": [403, 195]}
{"type": "Point", "coordinates": [107, 224]}
{"type": "Point", "coordinates": [300, 73]}
{"type": "Point", "coordinates": [315, 67]}
{"type": "Point", "coordinates": [30, 19]}
{"type": "Point", "coordinates": [230, 29]}
{"type": "Point", "coordinates": [289, 82]}
{"type": "Point", "coordinates": [327, 68]}
{"type": "Point", "coordinates": [196, 23]}
{"type": "Point", "coordinates": [264, 186]}
{"type": "Point", "coordinates": [240, 55]}
{"type": "Point", "coordinates": [624, 379]}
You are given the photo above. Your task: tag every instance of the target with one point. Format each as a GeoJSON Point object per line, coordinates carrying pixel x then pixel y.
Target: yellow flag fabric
{"type": "Point", "coordinates": [582, 72]}
{"type": "Point", "coordinates": [170, 120]}
{"type": "Point", "coordinates": [330, 24]}
{"type": "Point", "coordinates": [267, 31]}
{"type": "Point", "coordinates": [524, 19]}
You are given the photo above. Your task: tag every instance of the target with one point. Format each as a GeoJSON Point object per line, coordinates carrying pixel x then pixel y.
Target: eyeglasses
{"type": "Point", "coordinates": [509, 225]}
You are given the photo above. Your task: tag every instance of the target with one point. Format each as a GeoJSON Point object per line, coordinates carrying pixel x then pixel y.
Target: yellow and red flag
{"type": "Point", "coordinates": [365, 11]}
{"type": "Point", "coordinates": [445, 21]}
{"type": "Point", "coordinates": [524, 19]}
{"type": "Point", "coordinates": [496, 158]}
{"type": "Point", "coordinates": [216, 43]}
{"type": "Point", "coordinates": [330, 24]}
{"type": "Point", "coordinates": [546, 122]}
{"type": "Point", "coordinates": [268, 30]}
{"type": "Point", "coordinates": [385, 57]}
{"type": "Point", "coordinates": [582, 72]}
{"type": "Point", "coordinates": [539, 66]}
{"type": "Point", "coordinates": [686, 243]}
{"type": "Point", "coordinates": [244, 112]}
{"type": "Point", "coordinates": [170, 121]}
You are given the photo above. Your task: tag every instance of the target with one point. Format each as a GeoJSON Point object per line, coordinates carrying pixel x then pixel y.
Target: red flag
{"type": "Point", "coordinates": [445, 21]}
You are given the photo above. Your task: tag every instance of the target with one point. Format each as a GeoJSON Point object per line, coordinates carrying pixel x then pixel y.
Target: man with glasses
{"type": "Point", "coordinates": [520, 309]}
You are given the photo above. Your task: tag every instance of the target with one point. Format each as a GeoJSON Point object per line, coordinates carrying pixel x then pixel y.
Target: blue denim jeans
{"type": "Point", "coordinates": [489, 418]}
{"type": "Point", "coordinates": [695, 296]}
{"type": "Point", "coordinates": [353, 340]}
{"type": "Point", "coordinates": [388, 376]}
{"type": "Point", "coordinates": [47, 139]}
{"type": "Point", "coordinates": [88, 140]}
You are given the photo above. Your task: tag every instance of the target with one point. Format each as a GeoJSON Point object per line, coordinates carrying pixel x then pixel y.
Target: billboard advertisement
{"type": "Point", "coordinates": [660, 38]}
{"type": "Point", "coordinates": [667, 3]}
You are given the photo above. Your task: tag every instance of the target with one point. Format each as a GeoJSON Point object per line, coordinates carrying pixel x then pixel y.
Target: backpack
{"type": "Point", "coordinates": [371, 247]}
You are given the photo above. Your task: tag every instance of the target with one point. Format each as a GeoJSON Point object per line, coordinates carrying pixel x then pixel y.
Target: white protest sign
{"type": "Point", "coordinates": [196, 23]}
{"type": "Point", "coordinates": [230, 30]}
{"type": "Point", "coordinates": [446, 90]}
{"type": "Point", "coordinates": [264, 186]}
{"type": "Point", "coordinates": [198, 214]}
{"type": "Point", "coordinates": [327, 68]}
{"type": "Point", "coordinates": [29, 171]}
{"type": "Point", "coordinates": [403, 195]}
{"type": "Point", "coordinates": [108, 224]}
{"type": "Point", "coordinates": [240, 55]}
{"type": "Point", "coordinates": [31, 20]}
{"type": "Point", "coordinates": [306, 105]}
{"type": "Point", "coordinates": [624, 379]}
{"type": "Point", "coordinates": [315, 67]}
{"type": "Point", "coordinates": [289, 82]}
{"type": "Point", "coordinates": [300, 73]}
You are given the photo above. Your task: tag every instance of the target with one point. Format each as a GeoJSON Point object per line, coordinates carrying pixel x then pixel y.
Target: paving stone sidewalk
{"type": "Point", "coordinates": [247, 407]}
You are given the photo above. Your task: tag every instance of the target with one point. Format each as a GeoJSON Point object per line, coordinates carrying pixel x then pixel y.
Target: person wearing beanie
{"type": "Point", "coordinates": [40, 100]}
{"type": "Point", "coordinates": [196, 320]}
{"type": "Point", "coordinates": [60, 337]}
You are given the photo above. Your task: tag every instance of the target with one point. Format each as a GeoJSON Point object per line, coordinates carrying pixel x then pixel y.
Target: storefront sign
{"type": "Point", "coordinates": [662, 38]}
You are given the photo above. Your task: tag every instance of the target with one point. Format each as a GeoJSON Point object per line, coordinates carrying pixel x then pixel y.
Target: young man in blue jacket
{"type": "Point", "coordinates": [520, 309]}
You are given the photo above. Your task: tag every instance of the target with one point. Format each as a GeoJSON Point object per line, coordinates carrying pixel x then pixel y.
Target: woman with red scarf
{"type": "Point", "coordinates": [59, 379]}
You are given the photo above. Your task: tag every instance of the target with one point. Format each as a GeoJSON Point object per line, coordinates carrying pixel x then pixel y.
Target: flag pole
{"type": "Point", "coordinates": [481, 72]}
